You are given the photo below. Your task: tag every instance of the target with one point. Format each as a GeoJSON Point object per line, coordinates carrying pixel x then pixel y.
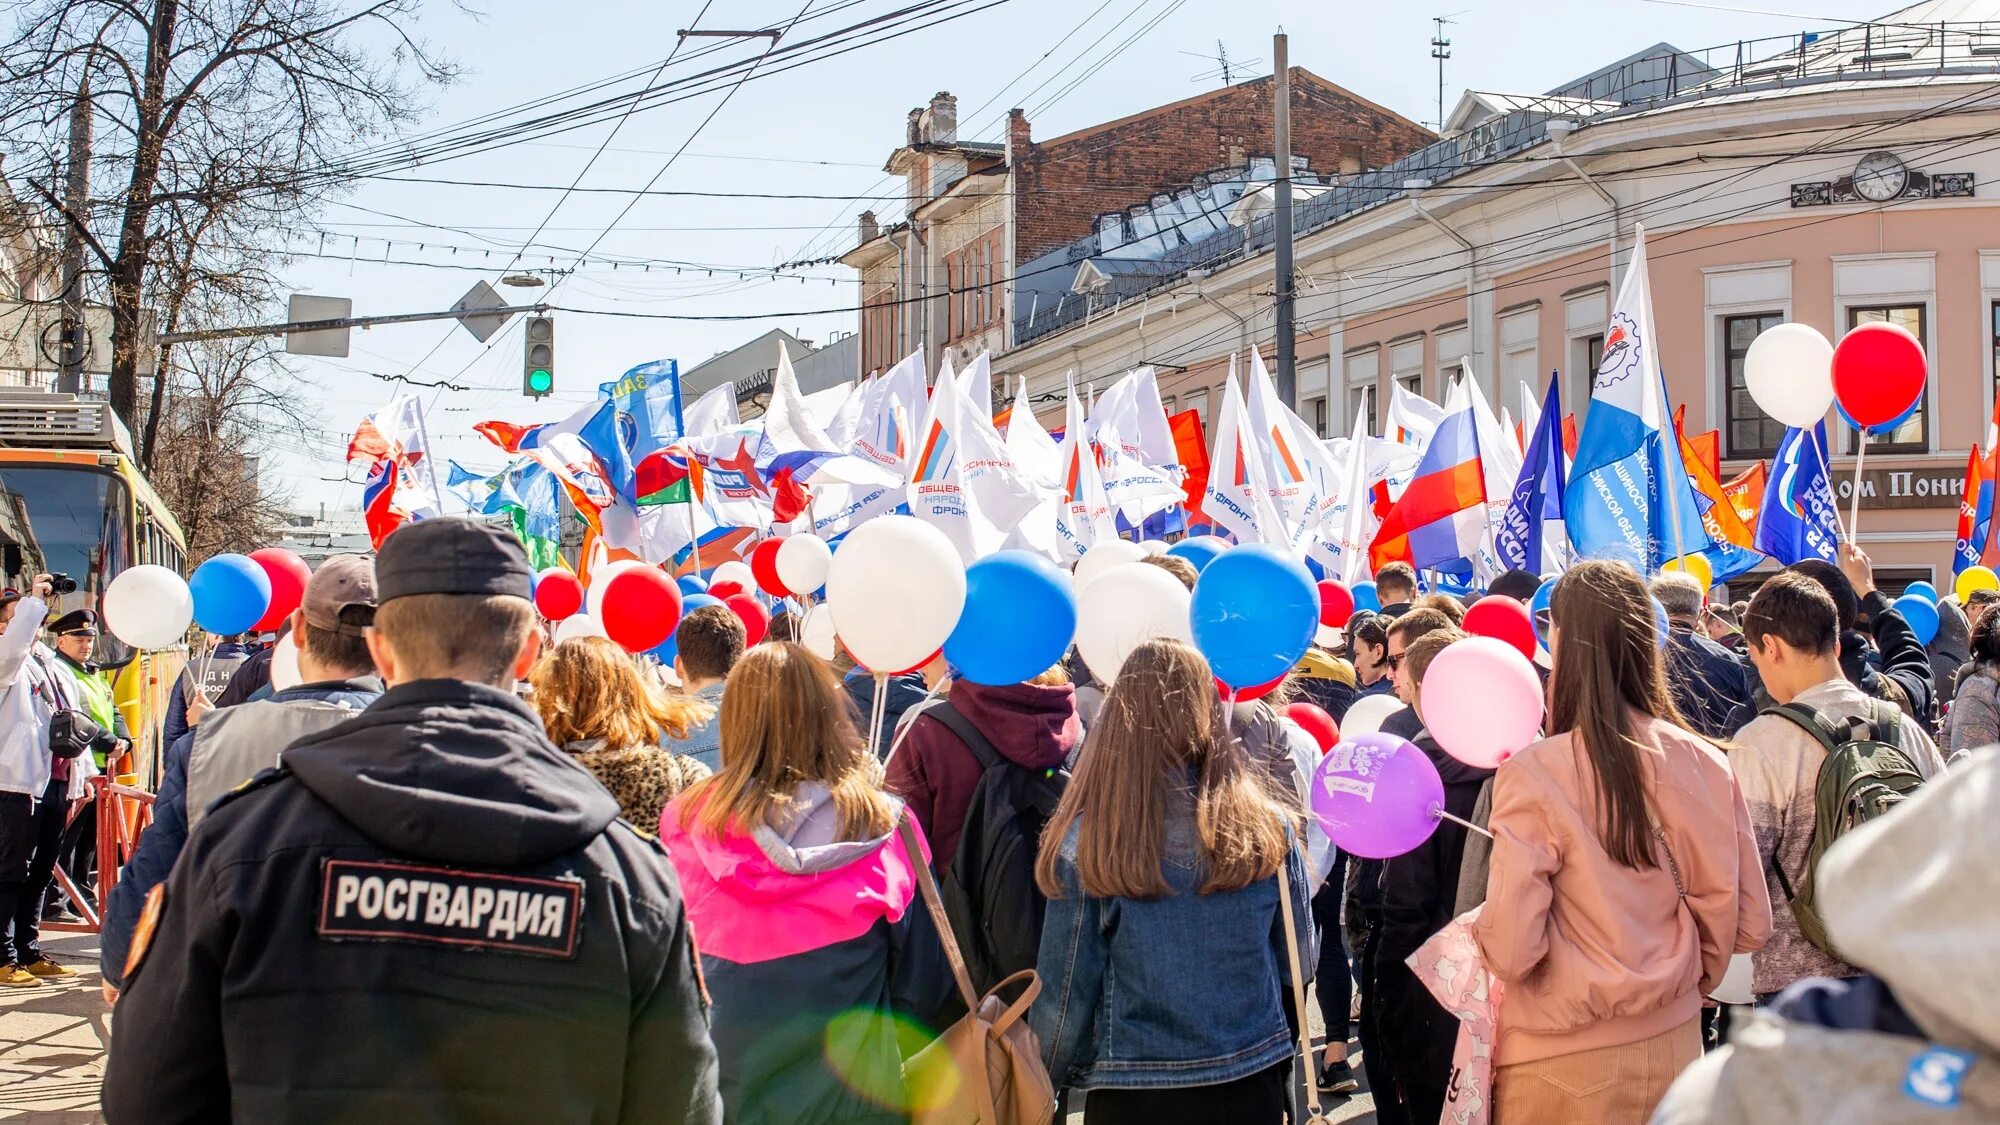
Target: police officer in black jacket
{"type": "Point", "coordinates": [427, 913]}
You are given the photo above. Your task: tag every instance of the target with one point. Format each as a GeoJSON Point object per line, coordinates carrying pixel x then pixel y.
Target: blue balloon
{"type": "Point", "coordinates": [1886, 427]}
{"type": "Point", "coordinates": [1922, 616]}
{"type": "Point", "coordinates": [1661, 629]}
{"type": "Point", "coordinates": [1365, 597]}
{"type": "Point", "coordinates": [695, 601]}
{"type": "Point", "coordinates": [1538, 607]}
{"type": "Point", "coordinates": [231, 593]}
{"type": "Point", "coordinates": [666, 650]}
{"type": "Point", "coordinates": [692, 584]}
{"type": "Point", "coordinates": [1254, 613]}
{"type": "Point", "coordinates": [1200, 550]}
{"type": "Point", "coordinates": [1922, 590]}
{"type": "Point", "coordinates": [1019, 619]}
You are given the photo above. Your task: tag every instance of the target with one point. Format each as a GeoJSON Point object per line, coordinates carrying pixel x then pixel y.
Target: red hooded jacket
{"type": "Point", "coordinates": [1031, 725]}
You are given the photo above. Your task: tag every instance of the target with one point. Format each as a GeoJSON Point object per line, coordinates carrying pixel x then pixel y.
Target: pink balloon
{"type": "Point", "coordinates": [1377, 796]}
{"type": "Point", "coordinates": [1482, 701]}
{"type": "Point", "coordinates": [1504, 619]}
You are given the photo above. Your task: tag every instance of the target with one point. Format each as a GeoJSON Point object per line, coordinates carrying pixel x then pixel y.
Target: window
{"type": "Point", "coordinates": [1197, 401]}
{"type": "Point", "coordinates": [1912, 436]}
{"type": "Point", "coordinates": [1363, 398]}
{"type": "Point", "coordinates": [1167, 406]}
{"type": "Point", "coordinates": [1413, 383]}
{"type": "Point", "coordinates": [1583, 372]}
{"type": "Point", "coordinates": [1752, 433]}
{"type": "Point", "coordinates": [1315, 415]}
{"type": "Point", "coordinates": [1449, 374]}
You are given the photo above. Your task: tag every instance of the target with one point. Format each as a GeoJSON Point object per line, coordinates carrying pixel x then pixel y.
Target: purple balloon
{"type": "Point", "coordinates": [1377, 795]}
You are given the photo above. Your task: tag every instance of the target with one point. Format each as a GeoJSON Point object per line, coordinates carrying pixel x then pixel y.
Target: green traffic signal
{"type": "Point", "coordinates": [540, 381]}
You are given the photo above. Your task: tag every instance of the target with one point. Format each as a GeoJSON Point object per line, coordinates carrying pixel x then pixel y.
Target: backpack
{"type": "Point", "coordinates": [988, 884]}
{"type": "Point", "coordinates": [1866, 773]}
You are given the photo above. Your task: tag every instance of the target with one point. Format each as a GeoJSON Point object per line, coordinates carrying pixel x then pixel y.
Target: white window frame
{"type": "Point", "coordinates": [1731, 291]}
{"type": "Point", "coordinates": [1871, 280]}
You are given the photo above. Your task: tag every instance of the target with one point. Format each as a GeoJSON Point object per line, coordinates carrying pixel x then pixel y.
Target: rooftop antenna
{"type": "Point", "coordinates": [1441, 50]}
{"type": "Point", "coordinates": [1227, 69]}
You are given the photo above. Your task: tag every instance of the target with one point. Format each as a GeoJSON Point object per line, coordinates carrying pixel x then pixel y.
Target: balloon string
{"type": "Point", "coordinates": [876, 711]}
{"type": "Point", "coordinates": [1854, 502]}
{"type": "Point", "coordinates": [1438, 812]}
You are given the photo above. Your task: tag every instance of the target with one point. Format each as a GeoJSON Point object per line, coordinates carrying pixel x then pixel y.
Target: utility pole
{"type": "Point", "coordinates": [1281, 93]}
{"type": "Point", "coordinates": [76, 200]}
{"type": "Point", "coordinates": [1440, 50]}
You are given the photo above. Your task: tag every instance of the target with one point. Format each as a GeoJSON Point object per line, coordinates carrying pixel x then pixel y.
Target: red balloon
{"type": "Point", "coordinates": [1502, 619]}
{"type": "Point", "coordinates": [726, 590]}
{"type": "Point", "coordinates": [917, 667]}
{"type": "Point", "coordinates": [642, 605]}
{"type": "Point", "coordinates": [558, 595]}
{"type": "Point", "coordinates": [764, 565]}
{"type": "Point", "coordinates": [1879, 372]}
{"type": "Point", "coordinates": [1249, 694]}
{"type": "Point", "coordinates": [748, 610]}
{"type": "Point", "coordinates": [1316, 722]}
{"type": "Point", "coordinates": [1336, 603]}
{"type": "Point", "coordinates": [289, 575]}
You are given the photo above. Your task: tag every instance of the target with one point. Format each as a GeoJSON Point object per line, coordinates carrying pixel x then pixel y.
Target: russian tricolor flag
{"type": "Point", "coordinates": [1441, 516]}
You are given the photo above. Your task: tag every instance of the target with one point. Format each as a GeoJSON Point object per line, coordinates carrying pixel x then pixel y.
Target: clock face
{"type": "Point", "coordinates": [1880, 177]}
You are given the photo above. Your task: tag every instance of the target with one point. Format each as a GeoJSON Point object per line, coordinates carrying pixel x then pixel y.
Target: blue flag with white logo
{"type": "Point", "coordinates": [1629, 497]}
{"type": "Point", "coordinates": [1538, 492]}
{"type": "Point", "coordinates": [1798, 519]}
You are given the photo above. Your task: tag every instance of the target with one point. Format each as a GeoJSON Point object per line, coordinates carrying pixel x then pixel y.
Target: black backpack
{"type": "Point", "coordinates": [988, 884]}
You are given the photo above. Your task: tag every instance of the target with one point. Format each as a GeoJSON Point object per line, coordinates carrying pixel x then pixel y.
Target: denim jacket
{"type": "Point", "coordinates": [1169, 992]}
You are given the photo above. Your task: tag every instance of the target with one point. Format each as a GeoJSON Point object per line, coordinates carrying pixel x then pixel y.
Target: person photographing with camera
{"type": "Point", "coordinates": [43, 766]}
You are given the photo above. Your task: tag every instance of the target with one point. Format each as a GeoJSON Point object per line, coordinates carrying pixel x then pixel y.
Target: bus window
{"type": "Point", "coordinates": [61, 519]}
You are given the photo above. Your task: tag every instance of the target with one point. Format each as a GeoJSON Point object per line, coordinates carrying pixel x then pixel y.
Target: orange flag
{"type": "Point", "coordinates": [1745, 493]}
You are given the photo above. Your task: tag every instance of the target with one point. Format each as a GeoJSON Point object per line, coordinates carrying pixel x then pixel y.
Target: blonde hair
{"type": "Point", "coordinates": [785, 721]}
{"type": "Point", "coordinates": [587, 688]}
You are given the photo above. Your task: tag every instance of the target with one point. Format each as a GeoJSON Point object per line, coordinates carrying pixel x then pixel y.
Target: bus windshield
{"type": "Point", "coordinates": [65, 519]}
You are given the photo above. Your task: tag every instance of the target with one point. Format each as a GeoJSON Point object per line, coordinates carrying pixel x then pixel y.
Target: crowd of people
{"type": "Point", "coordinates": [458, 873]}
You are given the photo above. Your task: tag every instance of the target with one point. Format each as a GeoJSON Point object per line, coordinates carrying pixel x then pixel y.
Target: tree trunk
{"type": "Point", "coordinates": [128, 268]}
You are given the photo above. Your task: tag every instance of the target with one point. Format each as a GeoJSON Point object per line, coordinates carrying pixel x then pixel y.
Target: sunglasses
{"type": "Point", "coordinates": [1396, 659]}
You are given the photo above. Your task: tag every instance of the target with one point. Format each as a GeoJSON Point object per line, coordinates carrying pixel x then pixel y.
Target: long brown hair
{"type": "Point", "coordinates": [785, 721]}
{"type": "Point", "coordinates": [1608, 665]}
{"type": "Point", "coordinates": [1161, 717]}
{"type": "Point", "coordinates": [586, 687]}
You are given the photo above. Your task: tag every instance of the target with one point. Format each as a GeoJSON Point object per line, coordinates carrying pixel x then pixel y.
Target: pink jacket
{"type": "Point", "coordinates": [1599, 955]}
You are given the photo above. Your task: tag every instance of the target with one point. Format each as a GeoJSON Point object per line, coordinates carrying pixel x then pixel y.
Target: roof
{"type": "Point", "coordinates": [1299, 74]}
{"type": "Point", "coordinates": [1477, 106]}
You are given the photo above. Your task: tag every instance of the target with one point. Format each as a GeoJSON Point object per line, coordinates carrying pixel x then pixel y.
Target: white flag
{"type": "Point", "coordinates": [1303, 478]}
{"type": "Point", "coordinates": [1238, 496]}
{"type": "Point", "coordinates": [1412, 418]}
{"type": "Point", "coordinates": [1135, 483]}
{"type": "Point", "coordinates": [977, 386]}
{"type": "Point", "coordinates": [963, 482]}
{"type": "Point", "coordinates": [788, 420]}
{"type": "Point", "coordinates": [1083, 512]}
{"type": "Point", "coordinates": [712, 413]}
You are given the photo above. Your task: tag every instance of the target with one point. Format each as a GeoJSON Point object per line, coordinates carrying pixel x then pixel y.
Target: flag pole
{"type": "Point", "coordinates": [1673, 496]}
{"type": "Point", "coordinates": [1854, 501]}
{"type": "Point", "coordinates": [694, 533]}
{"type": "Point", "coordinates": [1809, 436]}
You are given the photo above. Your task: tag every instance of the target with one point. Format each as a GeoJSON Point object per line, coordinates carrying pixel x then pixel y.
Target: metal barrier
{"type": "Point", "coordinates": [123, 812]}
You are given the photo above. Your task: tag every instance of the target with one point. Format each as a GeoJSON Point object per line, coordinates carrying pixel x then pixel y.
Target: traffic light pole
{"type": "Point", "coordinates": [339, 323]}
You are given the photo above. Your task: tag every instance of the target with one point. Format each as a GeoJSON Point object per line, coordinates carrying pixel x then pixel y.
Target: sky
{"type": "Point", "coordinates": [824, 128]}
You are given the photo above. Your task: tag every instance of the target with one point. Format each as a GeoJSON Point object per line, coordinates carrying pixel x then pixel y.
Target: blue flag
{"type": "Point", "coordinates": [1629, 496]}
{"type": "Point", "coordinates": [648, 401]}
{"type": "Point", "coordinates": [1798, 520]}
{"type": "Point", "coordinates": [1538, 491]}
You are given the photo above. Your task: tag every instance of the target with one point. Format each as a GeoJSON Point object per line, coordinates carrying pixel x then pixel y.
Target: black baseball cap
{"type": "Point", "coordinates": [452, 555]}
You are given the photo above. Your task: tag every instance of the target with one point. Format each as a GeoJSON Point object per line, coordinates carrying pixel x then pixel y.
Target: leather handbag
{"type": "Point", "coordinates": [986, 1068]}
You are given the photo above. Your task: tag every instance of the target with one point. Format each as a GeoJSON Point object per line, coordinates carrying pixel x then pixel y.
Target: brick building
{"type": "Point", "coordinates": [980, 215]}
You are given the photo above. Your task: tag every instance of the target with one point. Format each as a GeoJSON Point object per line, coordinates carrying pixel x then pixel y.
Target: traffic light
{"type": "Point", "coordinates": [538, 359]}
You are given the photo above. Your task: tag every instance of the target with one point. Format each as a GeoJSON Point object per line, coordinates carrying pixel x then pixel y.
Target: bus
{"type": "Point", "coordinates": [73, 501]}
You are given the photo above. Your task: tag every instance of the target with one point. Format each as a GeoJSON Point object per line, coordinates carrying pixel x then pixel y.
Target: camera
{"type": "Point", "coordinates": [62, 585]}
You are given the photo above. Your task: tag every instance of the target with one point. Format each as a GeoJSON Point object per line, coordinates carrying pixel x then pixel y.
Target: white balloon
{"type": "Point", "coordinates": [896, 588]}
{"type": "Point", "coordinates": [816, 633]}
{"type": "Point", "coordinates": [1123, 608]}
{"type": "Point", "coordinates": [1368, 713]}
{"type": "Point", "coordinates": [1789, 372]}
{"type": "Point", "coordinates": [285, 664]}
{"type": "Point", "coordinates": [600, 581]}
{"type": "Point", "coordinates": [737, 572]}
{"type": "Point", "coordinates": [579, 625]}
{"type": "Point", "coordinates": [802, 563]}
{"type": "Point", "coordinates": [1329, 636]}
{"type": "Point", "coordinates": [148, 607]}
{"type": "Point", "coordinates": [1153, 546]}
{"type": "Point", "coordinates": [1105, 557]}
